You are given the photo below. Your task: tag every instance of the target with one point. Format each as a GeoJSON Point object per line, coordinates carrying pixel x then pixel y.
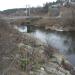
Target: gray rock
{"type": "Point", "coordinates": [55, 69]}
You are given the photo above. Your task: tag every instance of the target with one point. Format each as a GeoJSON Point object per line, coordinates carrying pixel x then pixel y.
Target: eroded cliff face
{"type": "Point", "coordinates": [22, 54]}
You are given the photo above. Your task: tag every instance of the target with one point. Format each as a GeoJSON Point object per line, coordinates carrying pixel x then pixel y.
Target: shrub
{"type": "Point", "coordinates": [23, 63]}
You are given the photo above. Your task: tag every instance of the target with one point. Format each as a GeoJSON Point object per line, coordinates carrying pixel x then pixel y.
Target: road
{"type": "Point", "coordinates": [26, 17]}
{"type": "Point", "coordinates": [20, 17]}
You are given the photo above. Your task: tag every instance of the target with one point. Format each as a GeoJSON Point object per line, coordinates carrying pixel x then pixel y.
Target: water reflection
{"type": "Point", "coordinates": [21, 28]}
{"type": "Point", "coordinates": [57, 41]}
{"type": "Point", "coordinates": [71, 58]}
{"type": "Point", "coordinates": [63, 41]}
{"type": "Point", "coordinates": [40, 35]}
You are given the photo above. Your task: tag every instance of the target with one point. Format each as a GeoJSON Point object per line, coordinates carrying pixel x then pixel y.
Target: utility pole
{"type": "Point", "coordinates": [26, 11]}
{"type": "Point", "coordinates": [72, 14]}
{"type": "Point", "coordinates": [29, 10]}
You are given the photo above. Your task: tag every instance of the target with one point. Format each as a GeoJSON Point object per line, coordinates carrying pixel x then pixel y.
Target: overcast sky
{"type": "Point", "coordinates": [9, 4]}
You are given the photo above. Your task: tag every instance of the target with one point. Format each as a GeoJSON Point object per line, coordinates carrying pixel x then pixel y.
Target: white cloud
{"type": "Point", "coordinates": [8, 4]}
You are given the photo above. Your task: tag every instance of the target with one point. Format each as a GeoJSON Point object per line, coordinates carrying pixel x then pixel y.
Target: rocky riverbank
{"type": "Point", "coordinates": [22, 54]}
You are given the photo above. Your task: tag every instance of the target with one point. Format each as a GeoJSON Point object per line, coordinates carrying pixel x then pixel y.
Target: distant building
{"type": "Point", "coordinates": [69, 3]}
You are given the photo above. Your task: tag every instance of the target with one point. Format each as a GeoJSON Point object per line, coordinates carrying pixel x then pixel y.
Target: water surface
{"type": "Point", "coordinates": [63, 41]}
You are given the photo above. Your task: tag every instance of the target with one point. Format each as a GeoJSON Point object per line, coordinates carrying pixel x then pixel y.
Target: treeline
{"type": "Point", "coordinates": [8, 11]}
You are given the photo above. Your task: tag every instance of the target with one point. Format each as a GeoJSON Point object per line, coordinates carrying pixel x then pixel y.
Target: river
{"type": "Point", "coordinates": [61, 40]}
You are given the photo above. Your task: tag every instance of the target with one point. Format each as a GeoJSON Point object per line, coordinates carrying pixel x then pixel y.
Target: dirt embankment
{"type": "Point", "coordinates": [51, 23]}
